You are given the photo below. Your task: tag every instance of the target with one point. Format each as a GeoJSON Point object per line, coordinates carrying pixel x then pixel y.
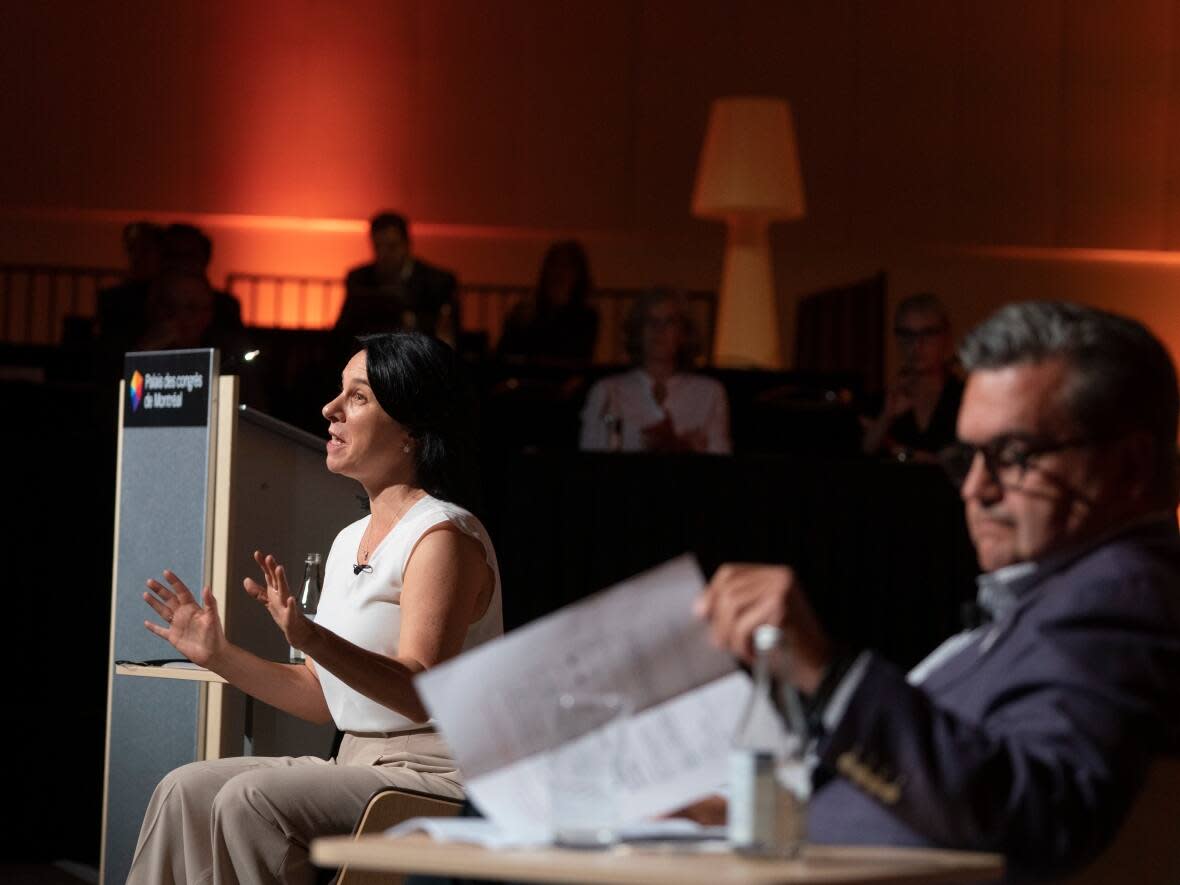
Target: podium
{"type": "Point", "coordinates": [201, 483]}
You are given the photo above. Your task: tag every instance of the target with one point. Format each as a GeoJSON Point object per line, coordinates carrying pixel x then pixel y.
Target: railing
{"type": "Point", "coordinates": [35, 300]}
{"type": "Point", "coordinates": [287, 302]}
{"type": "Point", "coordinates": [304, 302]}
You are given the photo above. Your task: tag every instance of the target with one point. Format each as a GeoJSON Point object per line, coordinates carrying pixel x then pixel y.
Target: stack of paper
{"type": "Point", "coordinates": [495, 704]}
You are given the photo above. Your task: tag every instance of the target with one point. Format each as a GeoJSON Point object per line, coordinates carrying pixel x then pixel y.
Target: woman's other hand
{"type": "Point", "coordinates": [275, 594]}
{"type": "Point", "coordinates": [193, 630]}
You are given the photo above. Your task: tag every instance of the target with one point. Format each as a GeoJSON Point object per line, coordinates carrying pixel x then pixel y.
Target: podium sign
{"type": "Point", "coordinates": [168, 389]}
{"type": "Point", "coordinates": [163, 519]}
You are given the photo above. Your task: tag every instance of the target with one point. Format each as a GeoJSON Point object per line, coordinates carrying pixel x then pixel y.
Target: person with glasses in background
{"type": "Point", "coordinates": [916, 417]}
{"type": "Point", "coordinates": [1031, 734]}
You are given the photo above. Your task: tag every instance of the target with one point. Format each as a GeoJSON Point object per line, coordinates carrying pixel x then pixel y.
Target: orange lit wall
{"type": "Point", "coordinates": [984, 150]}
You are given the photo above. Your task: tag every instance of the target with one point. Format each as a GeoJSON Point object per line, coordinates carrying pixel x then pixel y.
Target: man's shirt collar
{"type": "Point", "coordinates": [1000, 592]}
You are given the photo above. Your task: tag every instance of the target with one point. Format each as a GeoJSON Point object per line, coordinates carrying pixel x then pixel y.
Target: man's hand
{"type": "Point", "coordinates": [742, 597]}
{"type": "Point", "coordinates": [712, 811]}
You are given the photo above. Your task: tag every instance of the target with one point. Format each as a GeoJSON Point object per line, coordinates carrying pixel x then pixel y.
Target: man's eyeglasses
{"type": "Point", "coordinates": [1006, 459]}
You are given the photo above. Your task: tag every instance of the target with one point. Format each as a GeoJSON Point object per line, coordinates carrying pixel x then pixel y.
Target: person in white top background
{"type": "Point", "coordinates": [408, 586]}
{"type": "Point", "coordinates": [661, 405]}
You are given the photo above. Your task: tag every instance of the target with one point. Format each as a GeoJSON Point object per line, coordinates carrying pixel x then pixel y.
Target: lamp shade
{"type": "Point", "coordinates": [749, 162]}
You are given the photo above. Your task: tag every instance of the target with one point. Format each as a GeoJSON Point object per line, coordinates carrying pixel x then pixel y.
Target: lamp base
{"type": "Point", "coordinates": [747, 334]}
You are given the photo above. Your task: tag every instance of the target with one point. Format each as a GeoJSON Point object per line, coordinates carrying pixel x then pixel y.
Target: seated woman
{"type": "Point", "coordinates": [557, 323]}
{"type": "Point", "coordinates": [660, 406]}
{"type": "Point", "coordinates": [408, 586]}
{"type": "Point", "coordinates": [918, 415]}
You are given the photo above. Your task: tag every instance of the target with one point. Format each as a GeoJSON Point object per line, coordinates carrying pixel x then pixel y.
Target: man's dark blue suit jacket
{"type": "Point", "coordinates": [1033, 739]}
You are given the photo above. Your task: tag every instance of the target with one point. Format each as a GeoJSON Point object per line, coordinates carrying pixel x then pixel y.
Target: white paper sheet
{"type": "Point", "coordinates": [495, 705]}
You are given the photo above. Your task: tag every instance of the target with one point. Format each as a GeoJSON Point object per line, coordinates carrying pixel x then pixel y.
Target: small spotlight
{"type": "Point", "coordinates": [250, 355]}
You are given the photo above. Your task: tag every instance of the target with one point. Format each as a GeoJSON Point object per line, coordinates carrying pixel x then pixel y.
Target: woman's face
{"type": "Point", "coordinates": [663, 332]}
{"type": "Point", "coordinates": [364, 443]}
{"type": "Point", "coordinates": [923, 341]}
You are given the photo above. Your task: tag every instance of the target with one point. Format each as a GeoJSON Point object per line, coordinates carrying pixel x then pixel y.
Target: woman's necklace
{"type": "Point", "coordinates": [371, 538]}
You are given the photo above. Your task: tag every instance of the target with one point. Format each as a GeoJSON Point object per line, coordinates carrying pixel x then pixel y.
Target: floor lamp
{"type": "Point", "coordinates": [748, 176]}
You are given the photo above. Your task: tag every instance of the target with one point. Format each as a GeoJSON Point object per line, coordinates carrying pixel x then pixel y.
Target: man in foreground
{"type": "Point", "coordinates": [1030, 735]}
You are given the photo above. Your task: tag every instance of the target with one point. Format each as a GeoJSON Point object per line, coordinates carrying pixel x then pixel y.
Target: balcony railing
{"type": "Point", "coordinates": [37, 300]}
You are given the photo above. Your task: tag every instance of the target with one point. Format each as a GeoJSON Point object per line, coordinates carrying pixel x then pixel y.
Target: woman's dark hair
{"type": "Point", "coordinates": [637, 318]}
{"type": "Point", "coordinates": [571, 252]}
{"type": "Point", "coordinates": [420, 383]}
{"type": "Point", "coordinates": [923, 302]}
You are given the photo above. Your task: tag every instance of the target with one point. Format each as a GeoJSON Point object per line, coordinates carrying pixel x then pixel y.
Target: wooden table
{"type": "Point", "coordinates": [648, 865]}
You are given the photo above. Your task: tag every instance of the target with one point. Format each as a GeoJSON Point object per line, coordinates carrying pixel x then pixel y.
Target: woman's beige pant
{"type": "Point", "coordinates": [251, 820]}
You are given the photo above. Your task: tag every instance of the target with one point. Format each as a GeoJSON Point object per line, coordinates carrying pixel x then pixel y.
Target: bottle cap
{"type": "Point", "coordinates": [767, 637]}
{"type": "Point", "coordinates": [312, 557]}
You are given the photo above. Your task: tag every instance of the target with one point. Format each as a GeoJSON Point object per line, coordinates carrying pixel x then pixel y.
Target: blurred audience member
{"type": "Point", "coordinates": [120, 307]}
{"type": "Point", "coordinates": [661, 405]}
{"type": "Point", "coordinates": [396, 291]}
{"type": "Point", "coordinates": [160, 301]}
{"type": "Point", "coordinates": [180, 313]}
{"type": "Point", "coordinates": [187, 250]}
{"type": "Point", "coordinates": [557, 323]}
{"type": "Point", "coordinates": [917, 418]}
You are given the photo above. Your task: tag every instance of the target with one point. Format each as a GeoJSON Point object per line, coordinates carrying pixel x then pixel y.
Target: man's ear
{"type": "Point", "coordinates": [1135, 456]}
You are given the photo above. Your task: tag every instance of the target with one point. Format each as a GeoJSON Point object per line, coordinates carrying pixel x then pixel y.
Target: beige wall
{"type": "Point", "coordinates": [931, 133]}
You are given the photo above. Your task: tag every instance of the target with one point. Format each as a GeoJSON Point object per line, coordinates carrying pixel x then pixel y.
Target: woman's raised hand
{"type": "Point", "coordinates": [276, 596]}
{"type": "Point", "coordinates": [193, 630]}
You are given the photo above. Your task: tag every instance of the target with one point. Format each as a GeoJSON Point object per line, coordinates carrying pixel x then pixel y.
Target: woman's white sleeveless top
{"type": "Point", "coordinates": [365, 608]}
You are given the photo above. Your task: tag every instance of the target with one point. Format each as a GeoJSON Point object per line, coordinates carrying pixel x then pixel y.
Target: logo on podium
{"type": "Point", "coordinates": [135, 387]}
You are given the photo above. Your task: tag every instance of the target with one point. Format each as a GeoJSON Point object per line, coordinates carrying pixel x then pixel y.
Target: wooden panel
{"type": "Point", "coordinates": [306, 106]}
{"type": "Point", "coordinates": [1117, 82]}
{"type": "Point", "coordinates": [806, 52]}
{"type": "Point", "coordinates": [1172, 159]}
{"type": "Point", "coordinates": [1008, 123]}
{"type": "Point", "coordinates": [683, 58]}
{"type": "Point", "coordinates": [522, 117]}
{"type": "Point", "coordinates": [908, 73]}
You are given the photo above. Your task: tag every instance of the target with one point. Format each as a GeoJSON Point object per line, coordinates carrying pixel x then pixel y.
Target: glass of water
{"type": "Point", "coordinates": [584, 771]}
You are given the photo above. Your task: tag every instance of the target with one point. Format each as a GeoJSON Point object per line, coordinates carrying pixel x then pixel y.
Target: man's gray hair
{"type": "Point", "coordinates": [1122, 379]}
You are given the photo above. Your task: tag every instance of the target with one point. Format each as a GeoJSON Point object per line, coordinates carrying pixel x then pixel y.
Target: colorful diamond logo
{"type": "Point", "coordinates": [136, 390]}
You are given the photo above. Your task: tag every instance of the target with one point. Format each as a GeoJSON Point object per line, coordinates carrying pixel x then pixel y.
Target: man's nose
{"type": "Point", "coordinates": [979, 482]}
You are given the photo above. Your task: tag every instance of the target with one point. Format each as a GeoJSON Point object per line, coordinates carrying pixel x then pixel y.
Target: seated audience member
{"type": "Point", "coordinates": [409, 585]}
{"type": "Point", "coordinates": [661, 405]}
{"type": "Point", "coordinates": [176, 302]}
{"type": "Point", "coordinates": [186, 250]}
{"type": "Point", "coordinates": [396, 291]}
{"type": "Point", "coordinates": [917, 418]}
{"type": "Point", "coordinates": [181, 312]}
{"type": "Point", "coordinates": [1031, 734]}
{"type": "Point", "coordinates": [120, 308]}
{"type": "Point", "coordinates": [557, 323]}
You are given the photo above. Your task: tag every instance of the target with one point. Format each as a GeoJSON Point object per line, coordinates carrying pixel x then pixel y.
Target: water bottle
{"type": "Point", "coordinates": [769, 781]}
{"type": "Point", "coordinates": [309, 596]}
